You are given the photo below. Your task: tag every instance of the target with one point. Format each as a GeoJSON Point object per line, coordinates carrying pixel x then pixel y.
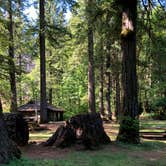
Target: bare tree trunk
{"type": "Point", "coordinates": [1, 108]}
{"type": "Point", "coordinates": [108, 72]}
{"type": "Point", "coordinates": [20, 79]}
{"type": "Point", "coordinates": [13, 106]}
{"type": "Point", "coordinates": [20, 58]}
{"type": "Point", "coordinates": [43, 110]}
{"type": "Point", "coordinates": [91, 74]}
{"type": "Point", "coordinates": [129, 126]}
{"type": "Point", "coordinates": [101, 92]}
{"type": "Point", "coordinates": [50, 95]}
{"type": "Point", "coordinates": [117, 100]}
{"type": "Point", "coordinates": [50, 87]}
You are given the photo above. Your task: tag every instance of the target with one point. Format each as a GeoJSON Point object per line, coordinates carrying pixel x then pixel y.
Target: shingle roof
{"type": "Point", "coordinates": [32, 106]}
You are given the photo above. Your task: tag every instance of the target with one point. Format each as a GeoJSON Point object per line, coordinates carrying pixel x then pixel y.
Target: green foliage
{"type": "Point", "coordinates": [66, 52]}
{"type": "Point", "coordinates": [159, 109]}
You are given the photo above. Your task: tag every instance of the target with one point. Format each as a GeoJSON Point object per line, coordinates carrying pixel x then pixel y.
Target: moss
{"type": "Point", "coordinates": [129, 131]}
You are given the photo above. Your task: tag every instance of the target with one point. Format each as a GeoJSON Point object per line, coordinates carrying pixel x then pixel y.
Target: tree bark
{"type": "Point", "coordinates": [117, 100]}
{"type": "Point", "coordinates": [50, 95]}
{"type": "Point", "coordinates": [1, 108]}
{"type": "Point", "coordinates": [20, 58]}
{"type": "Point", "coordinates": [43, 110]}
{"type": "Point", "coordinates": [51, 74]}
{"type": "Point", "coordinates": [108, 72]}
{"type": "Point", "coordinates": [9, 149]}
{"type": "Point", "coordinates": [85, 129]}
{"type": "Point", "coordinates": [20, 79]}
{"type": "Point", "coordinates": [129, 126]}
{"type": "Point", "coordinates": [13, 105]}
{"type": "Point", "coordinates": [101, 92]}
{"type": "Point", "coordinates": [91, 74]}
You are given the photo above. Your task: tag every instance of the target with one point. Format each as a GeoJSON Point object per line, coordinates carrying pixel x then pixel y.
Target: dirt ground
{"type": "Point", "coordinates": [37, 151]}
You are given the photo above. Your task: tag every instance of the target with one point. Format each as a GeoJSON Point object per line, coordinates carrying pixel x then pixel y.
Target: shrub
{"type": "Point", "coordinates": [159, 109]}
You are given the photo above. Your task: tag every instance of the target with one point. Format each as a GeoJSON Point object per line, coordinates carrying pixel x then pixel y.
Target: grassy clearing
{"type": "Point", "coordinates": [125, 155]}
{"type": "Point", "coordinates": [145, 126]}
{"type": "Point", "coordinates": [153, 124]}
{"type": "Point", "coordinates": [145, 145]}
{"type": "Point", "coordinates": [117, 154]}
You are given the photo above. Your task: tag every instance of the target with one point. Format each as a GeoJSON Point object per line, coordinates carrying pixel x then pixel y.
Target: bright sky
{"type": "Point", "coordinates": [31, 12]}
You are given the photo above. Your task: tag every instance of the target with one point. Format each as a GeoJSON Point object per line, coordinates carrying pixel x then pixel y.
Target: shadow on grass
{"type": "Point", "coordinates": [115, 154]}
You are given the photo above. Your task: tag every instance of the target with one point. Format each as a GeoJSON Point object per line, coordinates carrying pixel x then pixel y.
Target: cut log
{"type": "Point", "coordinates": [8, 149]}
{"type": "Point", "coordinates": [17, 128]}
{"type": "Point", "coordinates": [87, 129]}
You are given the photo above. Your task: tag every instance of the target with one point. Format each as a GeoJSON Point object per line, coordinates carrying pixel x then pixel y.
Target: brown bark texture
{"type": "Point", "coordinates": [91, 73]}
{"type": "Point", "coordinates": [129, 126]}
{"type": "Point", "coordinates": [17, 128]}
{"type": "Point", "coordinates": [83, 129]}
{"type": "Point", "coordinates": [8, 149]}
{"type": "Point", "coordinates": [43, 111]}
{"type": "Point", "coordinates": [12, 77]}
{"type": "Point", "coordinates": [108, 70]}
{"type": "Point", "coordinates": [101, 88]}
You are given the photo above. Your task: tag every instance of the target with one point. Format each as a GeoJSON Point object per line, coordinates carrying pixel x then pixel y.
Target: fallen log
{"type": "Point", "coordinates": [85, 129]}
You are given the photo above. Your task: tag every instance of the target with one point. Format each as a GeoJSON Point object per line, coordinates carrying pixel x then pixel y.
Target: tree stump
{"type": "Point", "coordinates": [8, 149]}
{"type": "Point", "coordinates": [87, 129]}
{"type": "Point", "coordinates": [17, 128]}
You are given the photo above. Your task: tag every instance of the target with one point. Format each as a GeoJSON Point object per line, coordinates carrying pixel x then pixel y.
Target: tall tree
{"type": "Point", "coordinates": [101, 73]}
{"type": "Point", "coordinates": [1, 108]}
{"type": "Point", "coordinates": [43, 110]}
{"type": "Point", "coordinates": [129, 126]}
{"type": "Point", "coordinates": [19, 30]}
{"type": "Point", "coordinates": [13, 106]}
{"type": "Point", "coordinates": [91, 74]}
{"type": "Point", "coordinates": [108, 68]}
{"type": "Point", "coordinates": [117, 96]}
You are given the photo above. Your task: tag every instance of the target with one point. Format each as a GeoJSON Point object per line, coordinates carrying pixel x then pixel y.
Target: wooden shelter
{"type": "Point", "coordinates": [31, 111]}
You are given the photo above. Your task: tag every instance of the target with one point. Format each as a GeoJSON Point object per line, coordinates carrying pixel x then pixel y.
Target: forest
{"type": "Point", "coordinates": [102, 60]}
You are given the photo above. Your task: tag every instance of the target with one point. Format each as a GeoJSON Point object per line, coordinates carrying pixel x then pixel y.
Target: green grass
{"type": "Point", "coordinates": [152, 124]}
{"type": "Point", "coordinates": [145, 145]}
{"type": "Point", "coordinates": [124, 155]}
{"type": "Point", "coordinates": [103, 157]}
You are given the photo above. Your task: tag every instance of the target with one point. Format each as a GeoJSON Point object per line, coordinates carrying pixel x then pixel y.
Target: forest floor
{"type": "Point", "coordinates": [149, 152]}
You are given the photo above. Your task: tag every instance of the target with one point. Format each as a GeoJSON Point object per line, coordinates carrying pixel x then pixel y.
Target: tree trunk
{"type": "Point", "coordinates": [101, 92]}
{"type": "Point", "coordinates": [91, 74]}
{"type": "Point", "coordinates": [51, 73]}
{"type": "Point", "coordinates": [20, 58]}
{"type": "Point", "coordinates": [85, 129]}
{"type": "Point", "coordinates": [13, 106]}
{"type": "Point", "coordinates": [50, 96]}
{"type": "Point", "coordinates": [9, 149]}
{"type": "Point", "coordinates": [20, 79]}
{"type": "Point", "coordinates": [108, 72]}
{"type": "Point", "coordinates": [1, 108]}
{"type": "Point", "coordinates": [129, 126]}
{"type": "Point", "coordinates": [43, 110]}
{"type": "Point", "coordinates": [117, 100]}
